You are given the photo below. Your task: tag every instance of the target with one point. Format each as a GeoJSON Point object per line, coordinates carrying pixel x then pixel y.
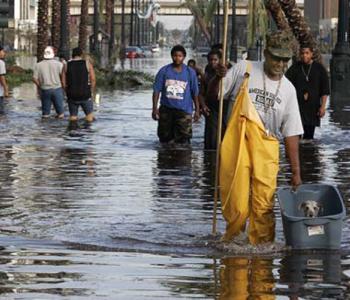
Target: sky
{"type": "Point", "coordinates": [176, 22]}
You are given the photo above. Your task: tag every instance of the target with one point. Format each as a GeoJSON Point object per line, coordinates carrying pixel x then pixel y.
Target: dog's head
{"type": "Point", "coordinates": [310, 208]}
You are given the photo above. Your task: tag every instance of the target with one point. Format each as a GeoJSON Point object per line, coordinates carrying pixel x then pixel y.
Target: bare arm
{"type": "Point", "coordinates": [92, 78]}
{"type": "Point", "coordinates": [4, 84]}
{"type": "Point", "coordinates": [292, 151]}
{"type": "Point", "coordinates": [196, 107]}
{"type": "Point", "coordinates": [155, 110]}
{"type": "Point", "coordinates": [322, 109]}
{"type": "Point", "coordinates": [63, 76]}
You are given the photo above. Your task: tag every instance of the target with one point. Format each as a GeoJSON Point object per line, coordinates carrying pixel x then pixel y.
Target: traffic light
{"type": "Point", "coordinates": [6, 12]}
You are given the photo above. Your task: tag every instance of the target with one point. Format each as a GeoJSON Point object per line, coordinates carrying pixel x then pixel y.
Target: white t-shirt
{"type": "Point", "coordinates": [2, 73]}
{"type": "Point", "coordinates": [280, 115]}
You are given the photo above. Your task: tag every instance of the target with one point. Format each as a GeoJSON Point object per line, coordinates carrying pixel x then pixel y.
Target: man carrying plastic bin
{"type": "Point", "coordinates": [265, 111]}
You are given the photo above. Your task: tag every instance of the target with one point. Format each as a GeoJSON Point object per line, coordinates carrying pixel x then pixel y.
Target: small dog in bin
{"type": "Point", "coordinates": [310, 208]}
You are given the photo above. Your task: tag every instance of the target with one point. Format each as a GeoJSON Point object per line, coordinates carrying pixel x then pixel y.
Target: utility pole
{"type": "Point", "coordinates": [138, 24]}
{"type": "Point", "coordinates": [131, 41]}
{"type": "Point", "coordinates": [122, 37]}
{"type": "Point", "coordinates": [233, 52]}
{"type": "Point", "coordinates": [340, 62]}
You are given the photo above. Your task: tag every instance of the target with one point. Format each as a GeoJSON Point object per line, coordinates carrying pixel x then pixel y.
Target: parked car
{"type": "Point", "coordinates": [147, 51]}
{"type": "Point", "coordinates": [134, 52]}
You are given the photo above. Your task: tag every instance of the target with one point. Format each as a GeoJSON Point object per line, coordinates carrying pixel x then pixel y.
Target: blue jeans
{"type": "Point", "coordinates": [86, 105]}
{"type": "Point", "coordinates": [54, 96]}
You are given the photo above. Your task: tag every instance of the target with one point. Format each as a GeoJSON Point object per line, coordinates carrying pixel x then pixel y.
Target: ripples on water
{"type": "Point", "coordinates": [102, 211]}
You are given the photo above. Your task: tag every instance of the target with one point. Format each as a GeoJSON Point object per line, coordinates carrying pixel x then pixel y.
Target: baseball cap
{"type": "Point", "coordinates": [49, 53]}
{"type": "Point", "coordinates": [279, 43]}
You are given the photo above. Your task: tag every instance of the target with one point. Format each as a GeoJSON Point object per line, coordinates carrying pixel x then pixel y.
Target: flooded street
{"type": "Point", "coordinates": [102, 211]}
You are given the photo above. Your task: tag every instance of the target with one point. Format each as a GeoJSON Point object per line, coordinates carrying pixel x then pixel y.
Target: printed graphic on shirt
{"type": "Point", "coordinates": [261, 103]}
{"type": "Point", "coordinates": [175, 89]}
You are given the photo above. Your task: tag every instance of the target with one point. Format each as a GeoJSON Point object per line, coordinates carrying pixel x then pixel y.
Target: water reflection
{"type": "Point", "coordinates": [311, 162]}
{"type": "Point", "coordinates": [315, 273]}
{"type": "Point", "coordinates": [246, 278]}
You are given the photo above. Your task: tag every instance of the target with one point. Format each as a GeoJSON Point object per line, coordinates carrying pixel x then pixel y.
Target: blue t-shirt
{"type": "Point", "coordinates": [177, 89]}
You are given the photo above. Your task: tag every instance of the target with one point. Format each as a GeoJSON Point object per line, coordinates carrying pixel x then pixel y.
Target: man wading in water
{"type": "Point", "coordinates": [265, 111]}
{"type": "Point", "coordinates": [178, 86]}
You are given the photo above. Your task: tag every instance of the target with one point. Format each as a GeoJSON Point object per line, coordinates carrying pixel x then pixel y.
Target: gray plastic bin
{"type": "Point", "coordinates": [322, 232]}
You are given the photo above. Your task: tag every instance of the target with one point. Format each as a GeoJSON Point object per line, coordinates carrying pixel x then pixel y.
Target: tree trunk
{"type": "Point", "coordinates": [299, 27]}
{"type": "Point", "coordinates": [83, 24]}
{"type": "Point", "coordinates": [43, 27]}
{"type": "Point", "coordinates": [55, 23]}
{"type": "Point", "coordinates": [108, 16]}
{"type": "Point", "coordinates": [65, 20]}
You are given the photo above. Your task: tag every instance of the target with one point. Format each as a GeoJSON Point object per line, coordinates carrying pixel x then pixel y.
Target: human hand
{"type": "Point", "coordinates": [196, 115]}
{"type": "Point", "coordinates": [221, 70]}
{"type": "Point", "coordinates": [205, 110]}
{"type": "Point", "coordinates": [295, 181]}
{"type": "Point", "coordinates": [155, 114]}
{"type": "Point", "coordinates": [321, 112]}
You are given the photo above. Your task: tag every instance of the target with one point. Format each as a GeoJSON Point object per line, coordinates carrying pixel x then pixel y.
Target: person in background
{"type": "Point", "coordinates": [311, 82]}
{"type": "Point", "coordinates": [49, 78]}
{"type": "Point", "coordinates": [80, 86]}
{"type": "Point", "coordinates": [212, 104]}
{"type": "Point", "coordinates": [4, 91]}
{"type": "Point", "coordinates": [177, 85]}
{"type": "Point", "coordinates": [200, 76]}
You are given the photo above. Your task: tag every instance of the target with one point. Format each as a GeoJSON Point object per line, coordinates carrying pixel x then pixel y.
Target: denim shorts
{"type": "Point", "coordinates": [86, 105]}
{"type": "Point", "coordinates": [52, 96]}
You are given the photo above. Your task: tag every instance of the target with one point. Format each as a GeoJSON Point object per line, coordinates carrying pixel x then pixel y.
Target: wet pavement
{"type": "Point", "coordinates": [102, 211]}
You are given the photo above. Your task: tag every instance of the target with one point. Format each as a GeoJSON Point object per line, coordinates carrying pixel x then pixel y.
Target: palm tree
{"type": "Point", "coordinates": [299, 27]}
{"type": "Point", "coordinates": [83, 35]}
{"type": "Point", "coordinates": [55, 23]}
{"type": "Point", "coordinates": [203, 12]}
{"type": "Point", "coordinates": [43, 28]}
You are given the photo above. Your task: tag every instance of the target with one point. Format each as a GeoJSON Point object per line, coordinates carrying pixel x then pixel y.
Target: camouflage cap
{"type": "Point", "coordinates": [279, 43]}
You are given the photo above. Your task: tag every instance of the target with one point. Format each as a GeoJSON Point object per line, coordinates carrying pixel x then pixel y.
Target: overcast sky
{"type": "Point", "coordinates": [176, 22]}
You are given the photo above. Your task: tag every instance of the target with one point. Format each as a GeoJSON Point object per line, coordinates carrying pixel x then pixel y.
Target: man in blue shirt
{"type": "Point", "coordinates": [178, 86]}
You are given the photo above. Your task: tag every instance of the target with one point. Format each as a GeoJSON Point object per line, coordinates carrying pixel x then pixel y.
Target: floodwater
{"type": "Point", "coordinates": [102, 211]}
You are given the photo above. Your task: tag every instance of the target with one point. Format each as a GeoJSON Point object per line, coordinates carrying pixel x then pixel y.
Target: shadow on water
{"type": "Point", "coordinates": [102, 211]}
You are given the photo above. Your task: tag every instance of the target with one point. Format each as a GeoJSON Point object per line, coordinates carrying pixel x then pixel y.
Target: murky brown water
{"type": "Point", "coordinates": [104, 212]}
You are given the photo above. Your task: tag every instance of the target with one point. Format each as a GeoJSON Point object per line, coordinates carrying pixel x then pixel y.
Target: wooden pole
{"type": "Point", "coordinates": [221, 104]}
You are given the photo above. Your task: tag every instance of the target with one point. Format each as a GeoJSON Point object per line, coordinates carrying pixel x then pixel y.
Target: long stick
{"type": "Point", "coordinates": [221, 104]}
